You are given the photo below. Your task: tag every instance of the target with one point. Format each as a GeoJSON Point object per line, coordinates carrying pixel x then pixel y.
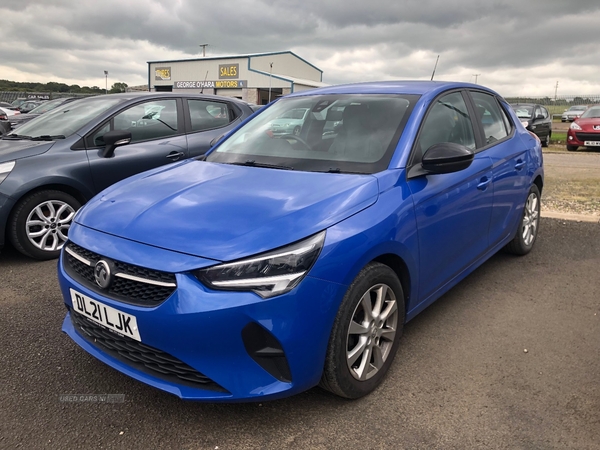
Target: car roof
{"type": "Point", "coordinates": [141, 95]}
{"type": "Point", "coordinates": [524, 104]}
{"type": "Point", "coordinates": [406, 87]}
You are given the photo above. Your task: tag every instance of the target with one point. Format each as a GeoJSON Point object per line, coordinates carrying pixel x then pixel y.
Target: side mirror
{"type": "Point", "coordinates": [217, 139]}
{"type": "Point", "coordinates": [447, 157]}
{"type": "Point", "coordinates": [114, 139]}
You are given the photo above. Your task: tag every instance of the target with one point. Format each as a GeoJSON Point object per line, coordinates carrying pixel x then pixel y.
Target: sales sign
{"type": "Point", "coordinates": [227, 71]}
{"type": "Point", "coordinates": [162, 73]}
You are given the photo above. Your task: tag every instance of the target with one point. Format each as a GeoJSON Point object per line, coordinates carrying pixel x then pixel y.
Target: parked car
{"type": "Point", "coordinates": [572, 113]}
{"type": "Point", "coordinates": [28, 106]}
{"type": "Point", "coordinates": [536, 119]}
{"type": "Point", "coordinates": [21, 119]}
{"type": "Point", "coordinates": [52, 165]}
{"type": "Point", "coordinates": [18, 102]}
{"type": "Point", "coordinates": [5, 105]}
{"type": "Point", "coordinates": [290, 122]}
{"type": "Point", "coordinates": [277, 263]}
{"type": "Point", "coordinates": [585, 131]}
{"type": "Point", "coordinates": [5, 115]}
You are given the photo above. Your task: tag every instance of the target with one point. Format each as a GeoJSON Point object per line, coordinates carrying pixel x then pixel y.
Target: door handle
{"type": "Point", "coordinates": [175, 155]}
{"type": "Point", "coordinates": [483, 183]}
{"type": "Point", "coordinates": [519, 165]}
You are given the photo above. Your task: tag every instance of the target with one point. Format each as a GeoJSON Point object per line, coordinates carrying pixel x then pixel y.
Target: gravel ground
{"type": "Point", "coordinates": [572, 181]}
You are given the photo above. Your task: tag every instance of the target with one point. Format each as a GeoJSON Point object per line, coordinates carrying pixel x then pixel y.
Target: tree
{"type": "Point", "coordinates": [118, 87]}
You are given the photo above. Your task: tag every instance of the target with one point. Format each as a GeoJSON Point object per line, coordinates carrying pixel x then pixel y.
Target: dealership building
{"type": "Point", "coordinates": [256, 78]}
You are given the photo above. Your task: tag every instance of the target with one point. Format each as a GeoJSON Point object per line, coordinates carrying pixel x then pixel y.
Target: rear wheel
{"type": "Point", "coordinates": [40, 223]}
{"type": "Point", "coordinates": [528, 229]}
{"type": "Point", "coordinates": [366, 332]}
{"type": "Point", "coordinates": [546, 141]}
{"type": "Point", "coordinates": [572, 148]}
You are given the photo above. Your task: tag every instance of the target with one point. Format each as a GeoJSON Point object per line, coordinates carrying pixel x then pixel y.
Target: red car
{"type": "Point", "coordinates": [585, 131]}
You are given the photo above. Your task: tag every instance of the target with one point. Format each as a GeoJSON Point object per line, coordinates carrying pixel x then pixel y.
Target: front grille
{"type": "Point", "coordinates": [140, 356]}
{"type": "Point", "coordinates": [130, 284]}
{"type": "Point", "coordinates": [588, 136]}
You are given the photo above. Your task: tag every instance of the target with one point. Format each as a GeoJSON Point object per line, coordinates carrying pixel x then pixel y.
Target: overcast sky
{"type": "Point", "coordinates": [517, 47]}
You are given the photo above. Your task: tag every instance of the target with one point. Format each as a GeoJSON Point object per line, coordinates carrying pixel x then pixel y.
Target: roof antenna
{"type": "Point", "coordinates": [205, 77]}
{"type": "Point", "coordinates": [434, 67]}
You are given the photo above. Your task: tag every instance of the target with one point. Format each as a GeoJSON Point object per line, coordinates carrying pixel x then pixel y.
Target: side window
{"type": "Point", "coordinates": [206, 115]}
{"type": "Point", "coordinates": [492, 117]}
{"type": "Point", "coordinates": [150, 120]}
{"type": "Point", "coordinates": [447, 121]}
{"type": "Point", "coordinates": [545, 113]}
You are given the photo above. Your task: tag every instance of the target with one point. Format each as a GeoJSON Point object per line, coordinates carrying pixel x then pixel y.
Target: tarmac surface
{"type": "Point", "coordinates": [509, 359]}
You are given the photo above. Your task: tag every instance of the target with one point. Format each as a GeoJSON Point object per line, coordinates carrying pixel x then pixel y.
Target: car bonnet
{"type": "Point", "coordinates": [22, 148]}
{"type": "Point", "coordinates": [225, 212]}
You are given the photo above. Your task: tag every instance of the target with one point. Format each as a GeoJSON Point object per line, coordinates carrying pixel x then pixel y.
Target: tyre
{"type": "Point", "coordinates": [296, 131]}
{"type": "Point", "coordinates": [365, 334]}
{"type": "Point", "coordinates": [529, 225]}
{"type": "Point", "coordinates": [572, 148]}
{"type": "Point", "coordinates": [546, 141]}
{"type": "Point", "coordinates": [40, 222]}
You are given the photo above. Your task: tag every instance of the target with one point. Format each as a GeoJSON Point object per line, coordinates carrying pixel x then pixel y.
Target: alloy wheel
{"type": "Point", "coordinates": [530, 219]}
{"type": "Point", "coordinates": [48, 224]}
{"type": "Point", "coordinates": [371, 332]}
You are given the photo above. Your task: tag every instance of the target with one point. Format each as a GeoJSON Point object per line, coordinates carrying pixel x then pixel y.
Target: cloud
{"type": "Point", "coordinates": [513, 46]}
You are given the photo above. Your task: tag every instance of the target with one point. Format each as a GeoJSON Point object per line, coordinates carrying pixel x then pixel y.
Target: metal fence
{"type": "Point", "coordinates": [556, 106]}
{"type": "Point", "coordinates": [9, 96]}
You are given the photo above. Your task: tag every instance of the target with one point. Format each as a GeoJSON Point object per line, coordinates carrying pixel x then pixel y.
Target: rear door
{"type": "Point", "coordinates": [509, 164]}
{"type": "Point", "coordinates": [158, 138]}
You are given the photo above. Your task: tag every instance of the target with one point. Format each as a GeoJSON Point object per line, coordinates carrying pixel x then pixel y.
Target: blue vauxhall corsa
{"type": "Point", "coordinates": [279, 262]}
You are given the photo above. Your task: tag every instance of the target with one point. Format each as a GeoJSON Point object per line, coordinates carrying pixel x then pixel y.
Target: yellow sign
{"type": "Point", "coordinates": [229, 71]}
{"type": "Point", "coordinates": [162, 73]}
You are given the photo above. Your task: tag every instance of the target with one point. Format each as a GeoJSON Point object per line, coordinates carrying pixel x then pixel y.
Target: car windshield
{"type": "Point", "coordinates": [294, 114]}
{"type": "Point", "coordinates": [46, 106]}
{"type": "Point", "coordinates": [67, 119]}
{"type": "Point", "coordinates": [577, 108]}
{"type": "Point", "coordinates": [591, 113]}
{"type": "Point", "coordinates": [340, 133]}
{"type": "Point", "coordinates": [523, 111]}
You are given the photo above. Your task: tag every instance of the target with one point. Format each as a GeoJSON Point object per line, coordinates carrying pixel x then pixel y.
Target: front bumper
{"type": "Point", "coordinates": [580, 138]}
{"type": "Point", "coordinates": [204, 330]}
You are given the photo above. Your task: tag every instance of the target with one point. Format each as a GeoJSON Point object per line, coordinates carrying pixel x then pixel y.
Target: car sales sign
{"type": "Point", "coordinates": [218, 84]}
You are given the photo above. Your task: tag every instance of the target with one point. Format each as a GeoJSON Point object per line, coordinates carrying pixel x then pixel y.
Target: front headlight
{"type": "Point", "coordinates": [574, 126]}
{"type": "Point", "coordinates": [269, 274]}
{"type": "Point", "coordinates": [5, 169]}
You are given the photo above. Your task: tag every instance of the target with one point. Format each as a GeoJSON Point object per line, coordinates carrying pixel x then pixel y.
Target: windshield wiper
{"type": "Point", "coordinates": [251, 162]}
{"type": "Point", "coordinates": [15, 137]}
{"type": "Point", "coordinates": [47, 137]}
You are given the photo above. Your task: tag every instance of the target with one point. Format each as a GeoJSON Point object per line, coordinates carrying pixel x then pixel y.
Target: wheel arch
{"type": "Point", "coordinates": [539, 182]}
{"type": "Point", "coordinates": [397, 264]}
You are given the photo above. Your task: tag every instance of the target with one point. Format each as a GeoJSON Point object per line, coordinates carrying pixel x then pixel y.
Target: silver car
{"type": "Point", "coordinates": [572, 113]}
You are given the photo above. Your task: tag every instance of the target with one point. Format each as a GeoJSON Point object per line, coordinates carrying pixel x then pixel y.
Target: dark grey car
{"type": "Point", "coordinates": [52, 165]}
{"type": "Point", "coordinates": [536, 119]}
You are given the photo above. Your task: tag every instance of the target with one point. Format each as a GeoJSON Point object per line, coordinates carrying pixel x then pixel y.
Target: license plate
{"type": "Point", "coordinates": [592, 143]}
{"type": "Point", "coordinates": [107, 316]}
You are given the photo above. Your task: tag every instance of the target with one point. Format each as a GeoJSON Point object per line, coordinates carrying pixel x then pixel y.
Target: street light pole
{"type": "Point", "coordinates": [270, 77]}
{"type": "Point", "coordinates": [476, 75]}
{"type": "Point", "coordinates": [203, 49]}
{"type": "Point", "coordinates": [106, 81]}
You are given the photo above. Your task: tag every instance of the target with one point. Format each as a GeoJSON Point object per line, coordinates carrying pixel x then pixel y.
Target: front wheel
{"type": "Point", "coordinates": [40, 223]}
{"type": "Point", "coordinates": [529, 225]}
{"type": "Point", "coordinates": [366, 332]}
